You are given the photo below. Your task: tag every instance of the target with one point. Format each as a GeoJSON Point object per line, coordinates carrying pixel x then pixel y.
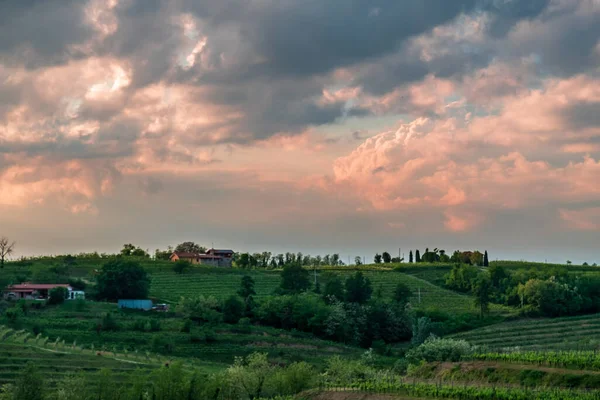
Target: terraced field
{"type": "Point", "coordinates": [168, 286]}
{"type": "Point", "coordinates": [66, 323]}
{"type": "Point", "coordinates": [569, 333]}
{"type": "Point", "coordinates": [55, 365]}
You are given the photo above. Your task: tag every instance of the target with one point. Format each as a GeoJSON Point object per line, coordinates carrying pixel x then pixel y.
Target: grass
{"type": "Point", "coordinates": [567, 333]}
{"type": "Point", "coordinates": [56, 365]}
{"type": "Point", "coordinates": [212, 353]}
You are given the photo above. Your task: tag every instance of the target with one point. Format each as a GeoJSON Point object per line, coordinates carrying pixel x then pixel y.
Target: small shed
{"type": "Point", "coordinates": [136, 304]}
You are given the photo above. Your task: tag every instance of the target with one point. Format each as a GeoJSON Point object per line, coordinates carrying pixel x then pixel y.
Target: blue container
{"type": "Point", "coordinates": [136, 304]}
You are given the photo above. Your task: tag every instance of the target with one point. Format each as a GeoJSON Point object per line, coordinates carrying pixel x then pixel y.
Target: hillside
{"type": "Point", "coordinates": [56, 364]}
{"type": "Point", "coordinates": [568, 333]}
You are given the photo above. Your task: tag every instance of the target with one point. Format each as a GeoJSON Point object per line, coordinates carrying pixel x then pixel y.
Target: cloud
{"type": "Point", "coordinates": [467, 169]}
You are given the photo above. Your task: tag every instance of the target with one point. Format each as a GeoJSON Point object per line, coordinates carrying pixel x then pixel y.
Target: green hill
{"type": "Point", "coordinates": [568, 333]}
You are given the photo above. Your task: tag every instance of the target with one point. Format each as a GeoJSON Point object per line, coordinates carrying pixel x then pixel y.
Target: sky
{"type": "Point", "coordinates": [346, 126]}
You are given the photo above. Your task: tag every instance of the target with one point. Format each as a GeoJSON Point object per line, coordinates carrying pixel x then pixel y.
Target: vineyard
{"type": "Point", "coordinates": [582, 360]}
{"type": "Point", "coordinates": [568, 333]}
{"type": "Point", "coordinates": [210, 351]}
{"type": "Point", "coordinates": [408, 389]}
{"type": "Point", "coordinates": [169, 286]}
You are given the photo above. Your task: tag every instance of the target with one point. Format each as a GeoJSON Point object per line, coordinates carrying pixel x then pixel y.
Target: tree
{"type": "Point", "coordinates": [246, 287]}
{"type": "Point", "coordinates": [57, 295]}
{"type": "Point", "coordinates": [29, 384]}
{"type": "Point", "coordinates": [6, 249]}
{"type": "Point", "coordinates": [482, 288]}
{"type": "Point", "coordinates": [417, 256]}
{"type": "Point", "coordinates": [377, 258]}
{"type": "Point", "coordinates": [294, 279]}
{"type": "Point", "coordinates": [358, 288]}
{"type": "Point", "coordinates": [402, 294]}
{"type": "Point", "coordinates": [486, 261]}
{"type": "Point", "coordinates": [122, 279]}
{"type": "Point", "coordinates": [163, 255]}
{"type": "Point", "coordinates": [357, 260]}
{"type": "Point", "coordinates": [180, 266]}
{"type": "Point", "coordinates": [410, 257]}
{"type": "Point", "coordinates": [189, 247]}
{"type": "Point", "coordinates": [233, 310]}
{"type": "Point", "coordinates": [334, 288]}
{"type": "Point", "coordinates": [476, 258]}
{"type": "Point", "coordinates": [387, 258]}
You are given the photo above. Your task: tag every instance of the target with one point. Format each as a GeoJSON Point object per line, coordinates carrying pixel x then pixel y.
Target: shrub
{"type": "Point", "coordinates": [436, 349]}
{"type": "Point", "coordinates": [233, 310]}
{"type": "Point", "coordinates": [138, 325]}
{"type": "Point", "coordinates": [180, 266]}
{"type": "Point", "coordinates": [154, 325]}
{"type": "Point", "coordinates": [186, 326]}
{"type": "Point", "coordinates": [77, 284]}
{"type": "Point", "coordinates": [162, 344]}
{"type": "Point", "coordinates": [57, 295]}
{"type": "Point", "coordinates": [109, 323]}
{"type": "Point", "coordinates": [244, 326]}
{"type": "Point", "coordinates": [13, 314]}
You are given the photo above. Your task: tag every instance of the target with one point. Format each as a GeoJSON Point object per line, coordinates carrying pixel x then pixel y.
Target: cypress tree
{"type": "Point", "coordinates": [486, 262]}
{"type": "Point", "coordinates": [410, 258]}
{"type": "Point", "coordinates": [417, 256]}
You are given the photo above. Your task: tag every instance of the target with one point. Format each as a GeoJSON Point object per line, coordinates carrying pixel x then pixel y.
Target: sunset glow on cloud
{"type": "Point", "coordinates": [294, 125]}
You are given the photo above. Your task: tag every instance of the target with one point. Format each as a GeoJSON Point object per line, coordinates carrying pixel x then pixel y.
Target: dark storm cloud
{"type": "Point", "coordinates": [35, 33]}
{"type": "Point", "coordinates": [507, 13]}
{"type": "Point", "coordinates": [583, 115]}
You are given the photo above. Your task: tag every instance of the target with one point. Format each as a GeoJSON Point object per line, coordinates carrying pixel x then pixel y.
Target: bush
{"type": "Point", "coordinates": [57, 295]}
{"type": "Point", "coordinates": [162, 344]}
{"type": "Point", "coordinates": [108, 323]}
{"type": "Point", "coordinates": [180, 266]}
{"type": "Point", "coordinates": [243, 326]}
{"type": "Point", "coordinates": [13, 314]}
{"type": "Point", "coordinates": [233, 310]}
{"type": "Point", "coordinates": [77, 284]}
{"type": "Point", "coordinates": [186, 326]}
{"type": "Point", "coordinates": [154, 325]}
{"type": "Point", "coordinates": [138, 325]}
{"type": "Point", "coordinates": [436, 349]}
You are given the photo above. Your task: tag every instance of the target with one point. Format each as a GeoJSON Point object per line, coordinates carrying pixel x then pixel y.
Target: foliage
{"type": "Point", "coordinates": [200, 309]}
{"type": "Point", "coordinates": [189, 247]}
{"type": "Point", "coordinates": [421, 329]}
{"type": "Point", "coordinates": [122, 279]}
{"type": "Point", "coordinates": [180, 266]}
{"type": "Point", "coordinates": [29, 384]}
{"type": "Point", "coordinates": [130, 250]}
{"type": "Point", "coordinates": [387, 258]}
{"type": "Point", "coordinates": [358, 288]}
{"type": "Point", "coordinates": [437, 349]}
{"type": "Point", "coordinates": [334, 289]}
{"type": "Point", "coordinates": [402, 294]}
{"type": "Point", "coordinates": [550, 297]}
{"type": "Point", "coordinates": [57, 295]}
{"type": "Point", "coordinates": [482, 291]}
{"type": "Point", "coordinates": [246, 287]}
{"type": "Point", "coordinates": [233, 309]}
{"type": "Point", "coordinates": [294, 279]}
{"type": "Point", "coordinates": [377, 258]}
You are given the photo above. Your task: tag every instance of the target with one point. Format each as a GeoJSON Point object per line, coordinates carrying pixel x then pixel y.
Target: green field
{"type": "Point", "coordinates": [568, 333]}
{"type": "Point", "coordinates": [56, 364]}
{"type": "Point", "coordinates": [169, 286]}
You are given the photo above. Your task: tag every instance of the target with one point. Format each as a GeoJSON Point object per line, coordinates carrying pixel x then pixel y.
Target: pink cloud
{"type": "Point", "coordinates": [485, 163]}
{"type": "Point", "coordinates": [587, 219]}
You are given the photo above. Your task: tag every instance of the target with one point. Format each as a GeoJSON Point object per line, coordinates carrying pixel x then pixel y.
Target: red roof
{"type": "Point", "coordinates": [195, 255]}
{"type": "Point", "coordinates": [26, 287]}
{"type": "Point", "coordinates": [182, 254]}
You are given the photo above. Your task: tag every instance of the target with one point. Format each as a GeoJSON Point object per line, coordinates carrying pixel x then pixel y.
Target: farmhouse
{"type": "Point", "coordinates": [213, 257]}
{"type": "Point", "coordinates": [28, 290]}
